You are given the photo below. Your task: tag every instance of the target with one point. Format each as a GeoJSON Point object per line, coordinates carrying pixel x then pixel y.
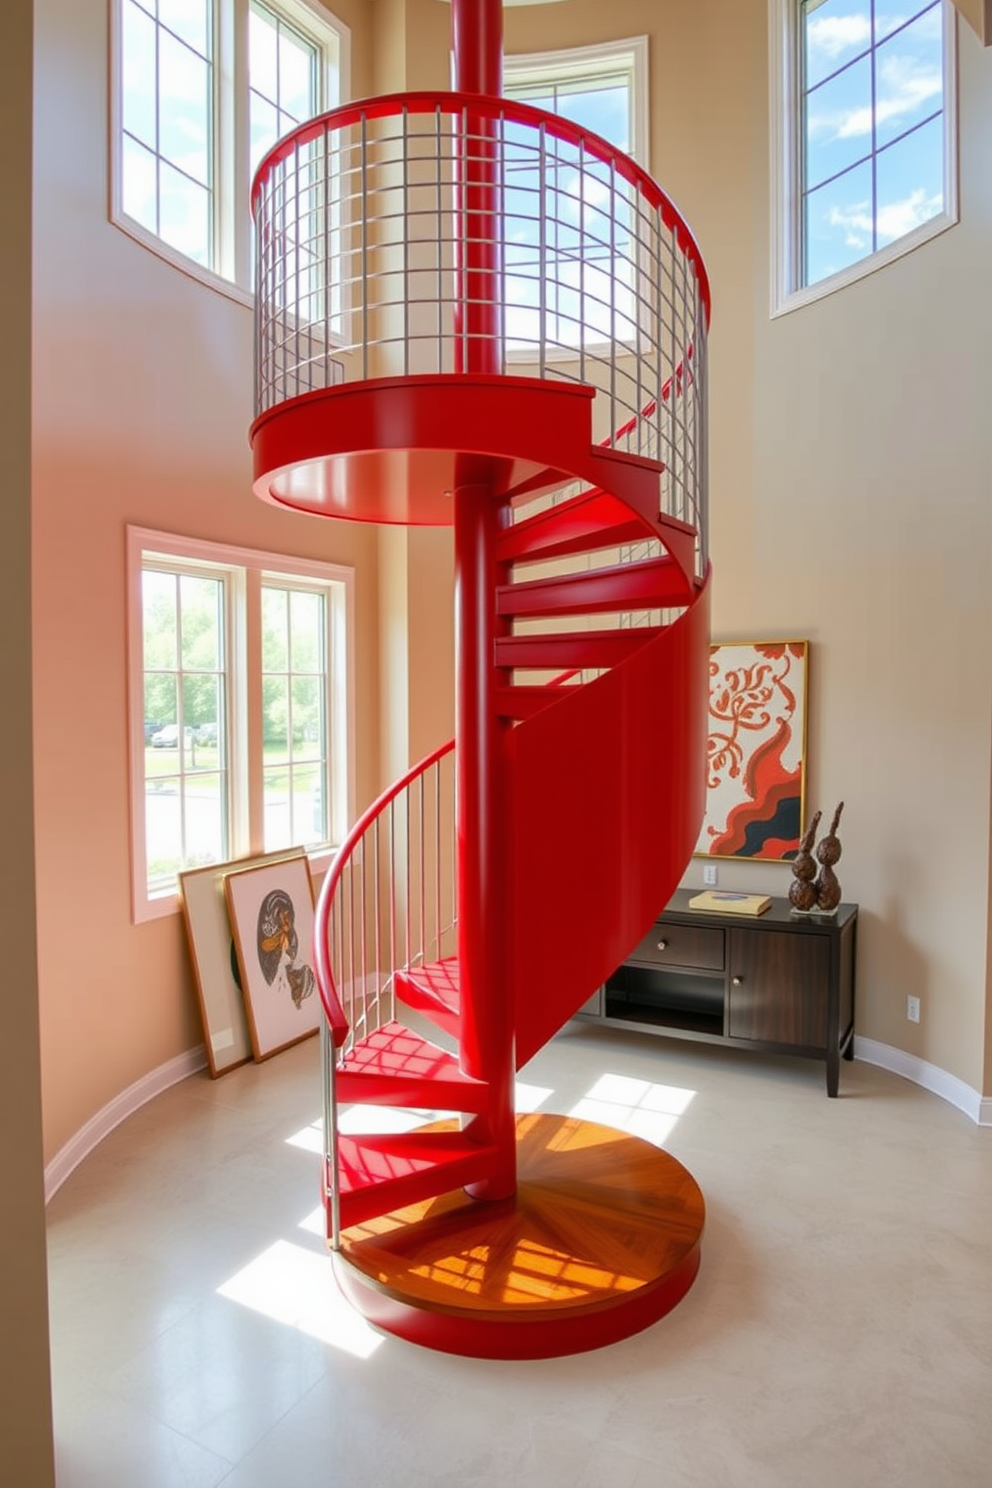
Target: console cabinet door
{"type": "Point", "coordinates": [778, 987]}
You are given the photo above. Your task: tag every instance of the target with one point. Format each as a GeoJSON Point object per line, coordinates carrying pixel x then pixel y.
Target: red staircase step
{"type": "Point", "coordinates": [654, 583]}
{"type": "Point", "coordinates": [433, 990]}
{"type": "Point", "coordinates": [380, 1172]}
{"type": "Point", "coordinates": [594, 648]}
{"type": "Point", "coordinates": [587, 522]}
{"type": "Point", "coordinates": [395, 1067]}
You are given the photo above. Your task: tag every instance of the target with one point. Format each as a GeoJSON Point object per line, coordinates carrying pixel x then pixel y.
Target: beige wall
{"type": "Point", "coordinates": [25, 1392]}
{"type": "Point", "coordinates": [142, 401]}
{"type": "Point", "coordinates": [872, 534]}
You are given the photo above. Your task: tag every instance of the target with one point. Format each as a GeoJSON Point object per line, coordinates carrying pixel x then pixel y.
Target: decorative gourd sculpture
{"type": "Point", "coordinates": [802, 890]}
{"type": "Point", "coordinates": [828, 853]}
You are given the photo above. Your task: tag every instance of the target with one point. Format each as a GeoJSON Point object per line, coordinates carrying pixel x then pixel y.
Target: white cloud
{"type": "Point", "coordinates": [856, 222]}
{"type": "Point", "coordinates": [899, 218]}
{"type": "Point", "coordinates": [905, 87]}
{"type": "Point", "coordinates": [830, 36]}
{"type": "Point", "coordinates": [894, 220]}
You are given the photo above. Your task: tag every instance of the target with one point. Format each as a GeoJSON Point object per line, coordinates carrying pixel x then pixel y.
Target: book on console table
{"type": "Point", "coordinates": [727, 902]}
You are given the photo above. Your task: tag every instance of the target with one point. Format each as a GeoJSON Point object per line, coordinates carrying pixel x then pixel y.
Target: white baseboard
{"type": "Point", "coordinates": [930, 1076]}
{"type": "Point", "coordinates": [130, 1100]}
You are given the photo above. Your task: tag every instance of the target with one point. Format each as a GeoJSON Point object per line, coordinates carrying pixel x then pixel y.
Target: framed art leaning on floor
{"type": "Point", "coordinates": [271, 911]}
{"type": "Point", "coordinates": [214, 961]}
{"type": "Point", "coordinates": [756, 750]}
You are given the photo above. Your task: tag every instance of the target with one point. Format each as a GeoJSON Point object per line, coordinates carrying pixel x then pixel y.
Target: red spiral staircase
{"type": "Point", "coordinates": [472, 312]}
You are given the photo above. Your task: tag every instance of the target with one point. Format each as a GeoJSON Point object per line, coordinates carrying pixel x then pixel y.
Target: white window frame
{"type": "Point", "coordinates": [231, 272]}
{"type": "Point", "coordinates": [785, 125]}
{"type": "Point", "coordinates": [571, 64]}
{"type": "Point", "coordinates": [246, 569]}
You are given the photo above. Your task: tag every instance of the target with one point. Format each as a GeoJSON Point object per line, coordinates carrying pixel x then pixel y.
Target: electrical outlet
{"type": "Point", "coordinates": [710, 875]}
{"type": "Point", "coordinates": [913, 1009]}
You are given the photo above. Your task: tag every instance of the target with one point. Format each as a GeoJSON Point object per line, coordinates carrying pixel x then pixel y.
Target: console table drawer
{"type": "Point", "coordinates": [698, 946]}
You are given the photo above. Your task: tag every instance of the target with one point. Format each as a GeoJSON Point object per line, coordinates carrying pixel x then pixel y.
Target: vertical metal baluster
{"type": "Point", "coordinates": [365, 248]}
{"type": "Point", "coordinates": [406, 240]}
{"type": "Point", "coordinates": [423, 874]}
{"type": "Point", "coordinates": [543, 283]}
{"type": "Point", "coordinates": [659, 322]}
{"type": "Point", "coordinates": [672, 457]}
{"type": "Point", "coordinates": [328, 262]}
{"type": "Point", "coordinates": [406, 937]}
{"type": "Point", "coordinates": [583, 251]}
{"type": "Point", "coordinates": [392, 905]}
{"type": "Point", "coordinates": [692, 495]}
{"type": "Point", "coordinates": [704, 476]}
{"type": "Point", "coordinates": [355, 1004]}
{"type": "Point", "coordinates": [364, 938]}
{"type": "Point", "coordinates": [437, 858]}
{"type": "Point", "coordinates": [453, 791]}
{"type": "Point", "coordinates": [634, 208]}
{"type": "Point", "coordinates": [614, 415]}
{"type": "Point", "coordinates": [378, 926]}
{"type": "Point", "coordinates": [296, 263]}
{"type": "Point", "coordinates": [439, 239]}
{"type": "Point", "coordinates": [499, 293]}
{"type": "Point", "coordinates": [683, 399]}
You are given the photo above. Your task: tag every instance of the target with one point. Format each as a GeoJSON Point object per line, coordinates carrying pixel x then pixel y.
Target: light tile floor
{"type": "Point", "coordinates": [839, 1332]}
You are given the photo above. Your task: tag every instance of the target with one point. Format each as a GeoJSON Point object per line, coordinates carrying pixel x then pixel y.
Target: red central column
{"type": "Point", "coordinates": [484, 905]}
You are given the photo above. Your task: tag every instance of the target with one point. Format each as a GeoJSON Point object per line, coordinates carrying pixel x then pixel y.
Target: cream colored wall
{"type": "Point", "coordinates": [872, 534]}
{"type": "Point", "coordinates": [25, 1388]}
{"type": "Point", "coordinates": [142, 401]}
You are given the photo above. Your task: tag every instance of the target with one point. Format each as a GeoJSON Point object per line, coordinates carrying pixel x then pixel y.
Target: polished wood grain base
{"type": "Point", "coordinates": [600, 1240]}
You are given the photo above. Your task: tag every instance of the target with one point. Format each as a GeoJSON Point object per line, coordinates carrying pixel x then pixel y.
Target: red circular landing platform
{"type": "Point", "coordinates": [600, 1240]}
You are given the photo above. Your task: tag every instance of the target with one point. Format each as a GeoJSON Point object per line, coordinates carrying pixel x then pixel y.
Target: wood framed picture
{"type": "Point", "coordinates": [214, 959]}
{"type": "Point", "coordinates": [271, 911]}
{"type": "Point", "coordinates": [756, 750]}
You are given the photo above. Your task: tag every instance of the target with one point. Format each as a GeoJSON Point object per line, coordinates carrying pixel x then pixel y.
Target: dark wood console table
{"type": "Point", "coordinates": [775, 981]}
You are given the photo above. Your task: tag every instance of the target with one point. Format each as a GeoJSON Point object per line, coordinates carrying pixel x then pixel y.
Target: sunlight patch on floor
{"type": "Point", "coordinates": [297, 1286]}
{"type": "Point", "coordinates": [639, 1107]}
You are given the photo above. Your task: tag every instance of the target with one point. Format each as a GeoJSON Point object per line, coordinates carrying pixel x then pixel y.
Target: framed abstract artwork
{"type": "Point", "coordinates": [756, 750]}
{"type": "Point", "coordinates": [271, 910]}
{"type": "Point", "coordinates": [214, 960]}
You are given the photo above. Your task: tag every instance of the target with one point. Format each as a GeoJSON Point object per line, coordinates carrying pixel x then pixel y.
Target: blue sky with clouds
{"type": "Point", "coordinates": [873, 85]}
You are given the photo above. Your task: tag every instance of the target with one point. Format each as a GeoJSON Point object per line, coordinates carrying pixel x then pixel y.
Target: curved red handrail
{"type": "Point", "coordinates": [389, 105]}
{"type": "Point", "coordinates": [325, 975]}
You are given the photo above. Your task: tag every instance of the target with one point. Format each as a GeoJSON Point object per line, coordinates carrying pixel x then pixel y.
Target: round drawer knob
{"type": "Point", "coordinates": [738, 981]}
{"type": "Point", "coordinates": [663, 945]}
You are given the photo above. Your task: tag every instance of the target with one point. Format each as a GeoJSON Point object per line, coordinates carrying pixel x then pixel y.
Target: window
{"type": "Point", "coordinates": [603, 88]}
{"type": "Point", "coordinates": [239, 707]}
{"type": "Point", "coordinates": [863, 137]}
{"type": "Point", "coordinates": [579, 278]}
{"type": "Point", "coordinates": [202, 89]}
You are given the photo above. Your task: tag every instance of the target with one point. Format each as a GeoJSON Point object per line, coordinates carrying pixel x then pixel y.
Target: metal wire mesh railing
{"type": "Point", "coordinates": [389, 901]}
{"type": "Point", "coordinates": [437, 233]}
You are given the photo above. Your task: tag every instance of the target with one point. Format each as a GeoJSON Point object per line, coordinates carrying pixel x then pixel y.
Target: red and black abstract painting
{"type": "Point", "coordinates": [756, 750]}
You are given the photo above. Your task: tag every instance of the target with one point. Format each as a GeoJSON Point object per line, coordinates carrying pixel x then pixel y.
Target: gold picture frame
{"type": "Point", "coordinates": [271, 908]}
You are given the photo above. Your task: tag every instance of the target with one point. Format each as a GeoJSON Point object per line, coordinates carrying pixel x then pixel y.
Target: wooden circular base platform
{"type": "Point", "coordinates": [600, 1240]}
